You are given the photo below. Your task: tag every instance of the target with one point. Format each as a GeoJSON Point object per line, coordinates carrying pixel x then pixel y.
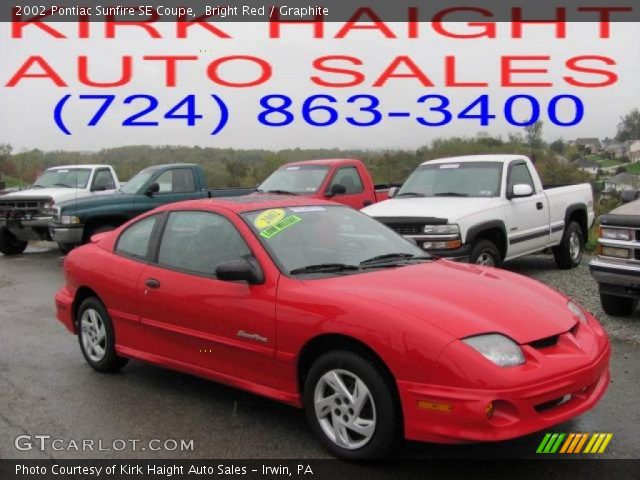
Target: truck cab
{"type": "Point", "coordinates": [345, 181]}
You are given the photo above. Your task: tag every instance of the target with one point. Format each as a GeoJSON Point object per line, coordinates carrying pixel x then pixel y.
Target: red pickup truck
{"type": "Point", "coordinates": [343, 180]}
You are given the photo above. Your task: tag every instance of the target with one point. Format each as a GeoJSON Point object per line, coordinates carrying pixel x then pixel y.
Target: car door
{"type": "Point", "coordinates": [175, 184]}
{"type": "Point", "coordinates": [527, 217]}
{"type": "Point", "coordinates": [191, 318]}
{"type": "Point", "coordinates": [350, 179]}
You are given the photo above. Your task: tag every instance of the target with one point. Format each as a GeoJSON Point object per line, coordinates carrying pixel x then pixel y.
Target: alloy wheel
{"type": "Point", "coordinates": [94, 335]}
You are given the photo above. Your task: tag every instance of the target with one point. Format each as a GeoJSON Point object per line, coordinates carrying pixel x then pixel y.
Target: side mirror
{"type": "Point", "coordinates": [629, 195]}
{"type": "Point", "coordinates": [336, 189]}
{"type": "Point", "coordinates": [521, 190]}
{"type": "Point", "coordinates": [239, 270]}
{"type": "Point", "coordinates": [393, 191]}
{"type": "Point", "coordinates": [151, 189]}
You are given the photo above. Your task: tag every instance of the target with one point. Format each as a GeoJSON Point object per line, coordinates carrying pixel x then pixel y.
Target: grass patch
{"type": "Point", "coordinates": [634, 168]}
{"type": "Point", "coordinates": [12, 181]}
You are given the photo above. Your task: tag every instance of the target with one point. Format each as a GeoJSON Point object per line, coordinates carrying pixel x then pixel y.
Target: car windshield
{"type": "Point", "coordinates": [63, 178]}
{"type": "Point", "coordinates": [299, 179]}
{"type": "Point", "coordinates": [328, 240]}
{"type": "Point", "coordinates": [463, 179]}
{"type": "Point", "coordinates": [137, 182]}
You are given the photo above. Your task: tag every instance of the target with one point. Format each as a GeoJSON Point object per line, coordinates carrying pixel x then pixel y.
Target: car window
{"type": "Point", "coordinates": [519, 175]}
{"type": "Point", "coordinates": [104, 179]}
{"type": "Point", "coordinates": [199, 241]}
{"type": "Point", "coordinates": [135, 240]}
{"type": "Point", "coordinates": [349, 178]}
{"type": "Point", "coordinates": [176, 180]}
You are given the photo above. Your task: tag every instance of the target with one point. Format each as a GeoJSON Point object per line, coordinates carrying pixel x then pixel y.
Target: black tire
{"type": "Point", "coordinates": [565, 256]}
{"type": "Point", "coordinates": [484, 252]}
{"type": "Point", "coordinates": [98, 229]}
{"type": "Point", "coordinates": [383, 407]}
{"type": "Point", "coordinates": [10, 244]}
{"type": "Point", "coordinates": [65, 247]}
{"type": "Point", "coordinates": [109, 361]}
{"type": "Point", "coordinates": [618, 306]}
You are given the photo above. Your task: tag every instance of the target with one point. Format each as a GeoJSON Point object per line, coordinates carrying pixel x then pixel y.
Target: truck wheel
{"type": "Point", "coordinates": [10, 244]}
{"type": "Point", "coordinates": [569, 253]}
{"type": "Point", "coordinates": [618, 306]}
{"type": "Point", "coordinates": [99, 229]}
{"type": "Point", "coordinates": [351, 408]}
{"type": "Point", "coordinates": [96, 337]}
{"type": "Point", "coordinates": [65, 247]}
{"type": "Point", "coordinates": [485, 253]}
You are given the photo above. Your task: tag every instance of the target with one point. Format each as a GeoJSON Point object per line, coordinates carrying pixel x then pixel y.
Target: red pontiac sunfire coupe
{"type": "Point", "coordinates": [321, 307]}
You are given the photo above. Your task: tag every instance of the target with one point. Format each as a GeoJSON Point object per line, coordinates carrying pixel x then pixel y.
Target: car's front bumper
{"type": "Point", "coordinates": [436, 413]}
{"type": "Point", "coordinates": [64, 308]}
{"type": "Point", "coordinates": [616, 277]}
{"type": "Point", "coordinates": [67, 235]}
{"type": "Point", "coordinates": [461, 254]}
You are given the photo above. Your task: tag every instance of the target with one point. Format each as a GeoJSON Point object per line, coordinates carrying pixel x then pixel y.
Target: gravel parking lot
{"type": "Point", "coordinates": [46, 387]}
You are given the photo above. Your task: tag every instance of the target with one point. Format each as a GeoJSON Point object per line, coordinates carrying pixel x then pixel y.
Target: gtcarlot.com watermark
{"type": "Point", "coordinates": [47, 443]}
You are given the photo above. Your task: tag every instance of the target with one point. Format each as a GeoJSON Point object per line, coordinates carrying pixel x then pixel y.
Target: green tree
{"type": "Point", "coordinates": [629, 126]}
{"type": "Point", "coordinates": [533, 134]}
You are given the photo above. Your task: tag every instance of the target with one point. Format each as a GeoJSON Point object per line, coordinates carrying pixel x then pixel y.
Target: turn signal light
{"type": "Point", "coordinates": [435, 406]}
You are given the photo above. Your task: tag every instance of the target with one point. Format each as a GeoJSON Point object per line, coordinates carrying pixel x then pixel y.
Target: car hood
{"type": "Point", "coordinates": [57, 194]}
{"type": "Point", "coordinates": [450, 208]}
{"type": "Point", "coordinates": [461, 300]}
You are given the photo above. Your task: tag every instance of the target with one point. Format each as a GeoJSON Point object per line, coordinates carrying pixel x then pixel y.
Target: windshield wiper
{"type": "Point", "coordinates": [450, 194]}
{"type": "Point", "coordinates": [410, 194]}
{"type": "Point", "coordinates": [391, 259]}
{"type": "Point", "coordinates": [62, 185]}
{"type": "Point", "coordinates": [280, 192]}
{"type": "Point", "coordinates": [324, 267]}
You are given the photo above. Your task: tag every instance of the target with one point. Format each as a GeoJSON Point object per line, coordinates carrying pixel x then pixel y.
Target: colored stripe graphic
{"type": "Point", "coordinates": [573, 443]}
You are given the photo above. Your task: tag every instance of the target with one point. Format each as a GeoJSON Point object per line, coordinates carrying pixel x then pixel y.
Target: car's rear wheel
{"type": "Point", "coordinates": [65, 247]}
{"type": "Point", "coordinates": [485, 253]}
{"type": "Point", "coordinates": [96, 337]}
{"type": "Point", "coordinates": [10, 244]}
{"type": "Point", "coordinates": [618, 306]}
{"type": "Point", "coordinates": [569, 253]}
{"type": "Point", "coordinates": [351, 407]}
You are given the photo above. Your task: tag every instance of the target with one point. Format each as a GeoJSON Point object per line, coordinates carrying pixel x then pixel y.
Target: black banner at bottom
{"type": "Point", "coordinates": [317, 469]}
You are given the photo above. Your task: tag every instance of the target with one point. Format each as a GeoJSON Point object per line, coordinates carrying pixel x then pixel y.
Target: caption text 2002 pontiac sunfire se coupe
{"type": "Point", "coordinates": [319, 306]}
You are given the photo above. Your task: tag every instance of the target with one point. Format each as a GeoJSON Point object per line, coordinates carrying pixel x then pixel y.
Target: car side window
{"type": "Point", "coordinates": [104, 180]}
{"type": "Point", "coordinates": [518, 175]}
{"type": "Point", "coordinates": [349, 178]}
{"type": "Point", "coordinates": [198, 242]}
{"type": "Point", "coordinates": [177, 180]}
{"type": "Point", "coordinates": [136, 239]}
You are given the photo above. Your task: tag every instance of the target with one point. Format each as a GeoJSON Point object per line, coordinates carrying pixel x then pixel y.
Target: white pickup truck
{"type": "Point", "coordinates": [25, 215]}
{"type": "Point", "coordinates": [487, 209]}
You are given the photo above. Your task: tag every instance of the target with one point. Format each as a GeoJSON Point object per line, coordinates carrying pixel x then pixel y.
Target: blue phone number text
{"type": "Point", "coordinates": [362, 110]}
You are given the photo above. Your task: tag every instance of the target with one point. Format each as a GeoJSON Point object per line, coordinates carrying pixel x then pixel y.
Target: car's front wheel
{"type": "Point", "coordinates": [351, 407]}
{"type": "Point", "coordinates": [618, 306]}
{"type": "Point", "coordinates": [10, 244]}
{"type": "Point", "coordinates": [96, 337]}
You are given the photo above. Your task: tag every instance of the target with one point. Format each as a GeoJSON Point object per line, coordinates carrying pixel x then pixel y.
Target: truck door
{"type": "Point", "coordinates": [527, 216]}
{"type": "Point", "coordinates": [353, 195]}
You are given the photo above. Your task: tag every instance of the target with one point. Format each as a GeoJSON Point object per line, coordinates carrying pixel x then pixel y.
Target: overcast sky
{"type": "Point", "coordinates": [27, 119]}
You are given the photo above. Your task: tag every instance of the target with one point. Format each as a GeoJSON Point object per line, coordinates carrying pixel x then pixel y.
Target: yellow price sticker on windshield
{"type": "Point", "coordinates": [268, 218]}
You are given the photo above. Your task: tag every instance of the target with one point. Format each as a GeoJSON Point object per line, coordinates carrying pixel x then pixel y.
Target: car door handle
{"type": "Point", "coordinates": [152, 283]}
{"type": "Point", "coordinates": [539, 206]}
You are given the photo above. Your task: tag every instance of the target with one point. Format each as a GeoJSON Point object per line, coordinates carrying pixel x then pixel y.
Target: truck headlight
{"type": "Point", "coordinates": [577, 311]}
{"type": "Point", "coordinates": [616, 234]}
{"type": "Point", "coordinates": [497, 348]}
{"type": "Point", "coordinates": [442, 229]}
{"type": "Point", "coordinates": [69, 219]}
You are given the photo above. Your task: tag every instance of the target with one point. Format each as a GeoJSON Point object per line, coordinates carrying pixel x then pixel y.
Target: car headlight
{"type": "Point", "coordinates": [497, 348]}
{"type": "Point", "coordinates": [577, 311]}
{"type": "Point", "coordinates": [442, 229]}
{"type": "Point", "coordinates": [615, 234]}
{"type": "Point", "coordinates": [69, 219]}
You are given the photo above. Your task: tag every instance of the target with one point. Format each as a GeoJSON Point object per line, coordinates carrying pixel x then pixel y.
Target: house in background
{"type": "Point", "coordinates": [587, 166]}
{"type": "Point", "coordinates": [634, 151]}
{"type": "Point", "coordinates": [591, 145]}
{"type": "Point", "coordinates": [621, 182]}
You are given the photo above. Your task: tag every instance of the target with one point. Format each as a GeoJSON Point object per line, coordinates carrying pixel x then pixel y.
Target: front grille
{"type": "Point", "coordinates": [545, 342]}
{"type": "Point", "coordinates": [556, 402]}
{"type": "Point", "coordinates": [407, 228]}
{"type": "Point", "coordinates": [18, 209]}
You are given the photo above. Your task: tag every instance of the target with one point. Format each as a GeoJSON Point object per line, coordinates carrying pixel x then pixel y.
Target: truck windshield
{"type": "Point", "coordinates": [463, 179]}
{"type": "Point", "coordinates": [137, 181]}
{"type": "Point", "coordinates": [329, 240]}
{"type": "Point", "coordinates": [63, 178]}
{"type": "Point", "coordinates": [300, 179]}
